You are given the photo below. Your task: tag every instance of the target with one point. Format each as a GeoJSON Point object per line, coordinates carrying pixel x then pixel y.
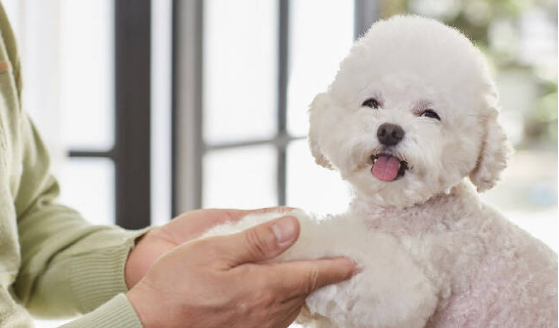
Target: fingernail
{"type": "Point", "coordinates": [284, 230]}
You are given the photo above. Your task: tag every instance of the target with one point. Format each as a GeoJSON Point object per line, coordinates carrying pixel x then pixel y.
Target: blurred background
{"type": "Point", "coordinates": [152, 108]}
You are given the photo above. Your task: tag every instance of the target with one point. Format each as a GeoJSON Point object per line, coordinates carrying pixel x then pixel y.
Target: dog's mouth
{"type": "Point", "coordinates": [387, 167]}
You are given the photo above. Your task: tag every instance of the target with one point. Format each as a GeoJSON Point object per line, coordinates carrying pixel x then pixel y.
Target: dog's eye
{"type": "Point", "coordinates": [372, 102]}
{"type": "Point", "coordinates": [431, 114]}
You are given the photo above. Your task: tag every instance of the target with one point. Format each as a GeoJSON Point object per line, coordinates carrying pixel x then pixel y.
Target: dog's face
{"type": "Point", "coordinates": [411, 112]}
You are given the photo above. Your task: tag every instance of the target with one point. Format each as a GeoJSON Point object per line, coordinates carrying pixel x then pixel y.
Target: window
{"type": "Point", "coordinates": [87, 107]}
{"type": "Point", "coordinates": [77, 57]}
{"type": "Point", "coordinates": [240, 135]}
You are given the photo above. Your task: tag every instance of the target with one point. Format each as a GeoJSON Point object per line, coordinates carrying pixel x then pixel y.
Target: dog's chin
{"type": "Point", "coordinates": [405, 190]}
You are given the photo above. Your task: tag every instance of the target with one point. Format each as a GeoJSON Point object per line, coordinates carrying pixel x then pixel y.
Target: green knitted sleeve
{"type": "Point", "coordinates": [118, 312]}
{"type": "Point", "coordinates": [68, 266]}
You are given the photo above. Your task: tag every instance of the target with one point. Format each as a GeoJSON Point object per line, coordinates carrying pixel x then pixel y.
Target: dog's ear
{"type": "Point", "coordinates": [318, 104]}
{"type": "Point", "coordinates": [493, 156]}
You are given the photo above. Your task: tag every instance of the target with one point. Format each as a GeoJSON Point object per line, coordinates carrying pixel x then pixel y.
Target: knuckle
{"type": "Point", "coordinates": [243, 308]}
{"type": "Point", "coordinates": [313, 280]}
{"type": "Point", "coordinates": [256, 303]}
{"type": "Point", "coordinates": [265, 298]}
{"type": "Point", "coordinates": [257, 243]}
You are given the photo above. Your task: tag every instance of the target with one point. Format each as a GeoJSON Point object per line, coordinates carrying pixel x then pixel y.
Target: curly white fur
{"type": "Point", "coordinates": [432, 254]}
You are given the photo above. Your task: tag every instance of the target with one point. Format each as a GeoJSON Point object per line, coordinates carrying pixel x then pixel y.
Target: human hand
{"type": "Point", "coordinates": [216, 281]}
{"type": "Point", "coordinates": [183, 228]}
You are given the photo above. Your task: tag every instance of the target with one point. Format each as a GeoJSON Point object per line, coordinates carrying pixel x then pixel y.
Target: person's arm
{"type": "Point", "coordinates": [68, 266]}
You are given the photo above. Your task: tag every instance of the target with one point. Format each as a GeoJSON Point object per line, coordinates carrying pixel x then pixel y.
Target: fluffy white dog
{"type": "Point", "coordinates": [411, 114]}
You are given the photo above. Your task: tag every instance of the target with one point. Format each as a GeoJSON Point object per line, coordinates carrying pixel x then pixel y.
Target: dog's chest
{"type": "Point", "coordinates": [441, 243]}
{"type": "Point", "coordinates": [407, 223]}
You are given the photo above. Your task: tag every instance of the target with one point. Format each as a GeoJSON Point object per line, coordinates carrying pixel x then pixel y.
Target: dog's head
{"type": "Point", "coordinates": [411, 112]}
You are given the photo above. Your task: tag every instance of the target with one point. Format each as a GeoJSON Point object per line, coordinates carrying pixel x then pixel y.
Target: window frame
{"type": "Point", "coordinates": [131, 151]}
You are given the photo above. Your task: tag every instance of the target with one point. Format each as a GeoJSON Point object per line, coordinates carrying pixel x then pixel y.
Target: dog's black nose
{"type": "Point", "coordinates": [390, 134]}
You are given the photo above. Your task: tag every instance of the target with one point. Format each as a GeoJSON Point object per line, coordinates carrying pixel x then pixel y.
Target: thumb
{"type": "Point", "coordinates": [262, 242]}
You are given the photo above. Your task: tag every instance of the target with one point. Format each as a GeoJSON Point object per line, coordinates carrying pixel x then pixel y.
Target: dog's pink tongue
{"type": "Point", "coordinates": [386, 168]}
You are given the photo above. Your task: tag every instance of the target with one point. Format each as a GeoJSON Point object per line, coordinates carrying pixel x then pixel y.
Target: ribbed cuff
{"type": "Point", "coordinates": [98, 275]}
{"type": "Point", "coordinates": [118, 312]}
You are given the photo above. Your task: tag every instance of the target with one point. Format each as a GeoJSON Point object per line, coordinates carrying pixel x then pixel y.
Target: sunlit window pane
{"type": "Point", "coordinates": [161, 143]}
{"type": "Point", "coordinates": [240, 69]}
{"type": "Point", "coordinates": [312, 187]}
{"type": "Point", "coordinates": [240, 178]}
{"type": "Point", "coordinates": [321, 33]}
{"type": "Point", "coordinates": [87, 185]}
{"type": "Point", "coordinates": [86, 57]}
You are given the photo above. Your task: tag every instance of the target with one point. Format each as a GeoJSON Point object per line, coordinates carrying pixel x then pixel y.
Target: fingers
{"type": "Point", "coordinates": [259, 243]}
{"type": "Point", "coordinates": [231, 215]}
{"type": "Point", "coordinates": [191, 225]}
{"type": "Point", "coordinates": [300, 278]}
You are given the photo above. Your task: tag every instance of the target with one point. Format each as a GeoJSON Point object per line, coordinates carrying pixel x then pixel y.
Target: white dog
{"type": "Point", "coordinates": [410, 115]}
